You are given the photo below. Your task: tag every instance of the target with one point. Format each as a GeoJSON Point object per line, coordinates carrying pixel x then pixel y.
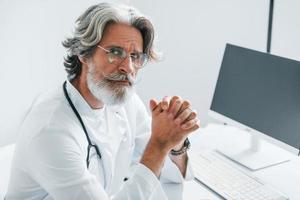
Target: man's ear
{"type": "Point", "coordinates": [82, 59]}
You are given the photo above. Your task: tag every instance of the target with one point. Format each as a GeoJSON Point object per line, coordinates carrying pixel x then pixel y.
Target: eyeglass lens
{"type": "Point", "coordinates": [116, 55]}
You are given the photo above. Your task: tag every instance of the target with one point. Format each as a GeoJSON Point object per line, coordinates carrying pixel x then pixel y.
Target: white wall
{"type": "Point", "coordinates": [286, 29]}
{"type": "Point", "coordinates": [191, 34]}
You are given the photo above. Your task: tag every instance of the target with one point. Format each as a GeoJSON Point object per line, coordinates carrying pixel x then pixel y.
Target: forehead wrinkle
{"type": "Point", "coordinates": [128, 45]}
{"type": "Point", "coordinates": [124, 36]}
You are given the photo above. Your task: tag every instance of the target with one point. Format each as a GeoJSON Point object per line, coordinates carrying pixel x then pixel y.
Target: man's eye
{"type": "Point", "coordinates": [116, 52]}
{"type": "Point", "coordinates": [134, 56]}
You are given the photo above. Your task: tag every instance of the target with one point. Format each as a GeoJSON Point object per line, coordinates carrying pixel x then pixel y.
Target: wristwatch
{"type": "Point", "coordinates": [186, 145]}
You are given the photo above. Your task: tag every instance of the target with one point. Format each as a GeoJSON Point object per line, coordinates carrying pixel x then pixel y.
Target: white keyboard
{"type": "Point", "coordinates": [230, 182]}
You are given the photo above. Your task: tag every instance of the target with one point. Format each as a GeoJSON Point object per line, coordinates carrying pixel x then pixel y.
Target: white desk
{"type": "Point", "coordinates": [285, 177]}
{"type": "Point", "coordinates": [190, 190]}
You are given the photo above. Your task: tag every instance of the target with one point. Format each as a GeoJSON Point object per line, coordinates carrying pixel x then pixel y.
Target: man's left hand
{"type": "Point", "coordinates": [181, 110]}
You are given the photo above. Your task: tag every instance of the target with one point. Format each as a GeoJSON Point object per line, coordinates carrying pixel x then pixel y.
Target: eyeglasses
{"type": "Point", "coordinates": [116, 55]}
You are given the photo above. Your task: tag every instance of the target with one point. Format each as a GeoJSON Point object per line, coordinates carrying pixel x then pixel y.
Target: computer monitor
{"type": "Point", "coordinates": [259, 92]}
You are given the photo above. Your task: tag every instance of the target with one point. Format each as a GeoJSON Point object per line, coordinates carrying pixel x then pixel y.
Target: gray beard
{"type": "Point", "coordinates": [107, 91]}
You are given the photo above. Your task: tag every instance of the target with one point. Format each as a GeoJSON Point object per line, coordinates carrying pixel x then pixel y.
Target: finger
{"type": "Point", "coordinates": [165, 102]}
{"type": "Point", "coordinates": [172, 101]}
{"type": "Point", "coordinates": [185, 104]}
{"type": "Point", "coordinates": [152, 104]}
{"type": "Point", "coordinates": [193, 128]}
{"type": "Point", "coordinates": [193, 115]}
{"type": "Point", "coordinates": [183, 116]}
{"type": "Point", "coordinates": [158, 109]}
{"type": "Point", "coordinates": [191, 124]}
{"type": "Point", "coordinates": [176, 107]}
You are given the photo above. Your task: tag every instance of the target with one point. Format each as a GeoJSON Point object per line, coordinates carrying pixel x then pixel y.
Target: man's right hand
{"type": "Point", "coordinates": [171, 123]}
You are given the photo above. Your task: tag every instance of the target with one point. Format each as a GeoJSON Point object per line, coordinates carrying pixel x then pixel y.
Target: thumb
{"type": "Point", "coordinates": [153, 104]}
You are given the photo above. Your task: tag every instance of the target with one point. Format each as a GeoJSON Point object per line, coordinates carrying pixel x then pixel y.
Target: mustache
{"type": "Point", "coordinates": [117, 76]}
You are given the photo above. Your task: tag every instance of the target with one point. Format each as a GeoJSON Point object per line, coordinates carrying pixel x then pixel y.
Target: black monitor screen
{"type": "Point", "coordinates": [261, 91]}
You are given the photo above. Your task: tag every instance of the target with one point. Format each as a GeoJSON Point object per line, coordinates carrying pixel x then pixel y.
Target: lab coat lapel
{"type": "Point", "coordinates": [116, 126]}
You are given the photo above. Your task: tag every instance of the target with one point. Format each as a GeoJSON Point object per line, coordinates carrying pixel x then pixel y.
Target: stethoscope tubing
{"type": "Point", "coordinates": [90, 144]}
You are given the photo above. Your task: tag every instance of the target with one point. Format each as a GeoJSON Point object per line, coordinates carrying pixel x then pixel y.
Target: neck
{"type": "Point", "coordinates": [81, 86]}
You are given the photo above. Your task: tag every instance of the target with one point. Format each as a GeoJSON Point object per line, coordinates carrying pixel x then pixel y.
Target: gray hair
{"type": "Point", "coordinates": [89, 31]}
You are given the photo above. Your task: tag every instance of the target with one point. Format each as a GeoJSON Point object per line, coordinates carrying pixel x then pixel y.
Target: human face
{"type": "Point", "coordinates": [109, 83]}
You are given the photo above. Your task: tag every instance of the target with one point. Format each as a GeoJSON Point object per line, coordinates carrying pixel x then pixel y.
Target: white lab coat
{"type": "Point", "coordinates": [50, 156]}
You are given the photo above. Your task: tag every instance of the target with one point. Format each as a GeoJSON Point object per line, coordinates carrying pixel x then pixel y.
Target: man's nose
{"type": "Point", "coordinates": [127, 66]}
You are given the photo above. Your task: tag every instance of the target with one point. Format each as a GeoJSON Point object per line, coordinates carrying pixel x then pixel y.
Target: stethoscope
{"type": "Point", "coordinates": [90, 144]}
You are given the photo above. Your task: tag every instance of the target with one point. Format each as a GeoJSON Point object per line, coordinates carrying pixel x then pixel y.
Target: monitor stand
{"type": "Point", "coordinates": [258, 154]}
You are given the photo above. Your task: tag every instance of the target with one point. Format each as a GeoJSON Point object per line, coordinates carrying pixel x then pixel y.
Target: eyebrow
{"type": "Point", "coordinates": [115, 46]}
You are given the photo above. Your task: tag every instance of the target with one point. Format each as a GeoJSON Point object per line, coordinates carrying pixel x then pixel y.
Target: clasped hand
{"type": "Point", "coordinates": [172, 121]}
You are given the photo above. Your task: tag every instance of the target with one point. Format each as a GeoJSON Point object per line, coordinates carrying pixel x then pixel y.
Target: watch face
{"type": "Point", "coordinates": [187, 143]}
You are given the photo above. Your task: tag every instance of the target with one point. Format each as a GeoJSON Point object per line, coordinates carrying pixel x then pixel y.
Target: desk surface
{"type": "Point", "coordinates": [285, 176]}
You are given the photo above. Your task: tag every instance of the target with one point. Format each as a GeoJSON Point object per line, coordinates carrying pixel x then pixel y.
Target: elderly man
{"type": "Point", "coordinates": [93, 138]}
